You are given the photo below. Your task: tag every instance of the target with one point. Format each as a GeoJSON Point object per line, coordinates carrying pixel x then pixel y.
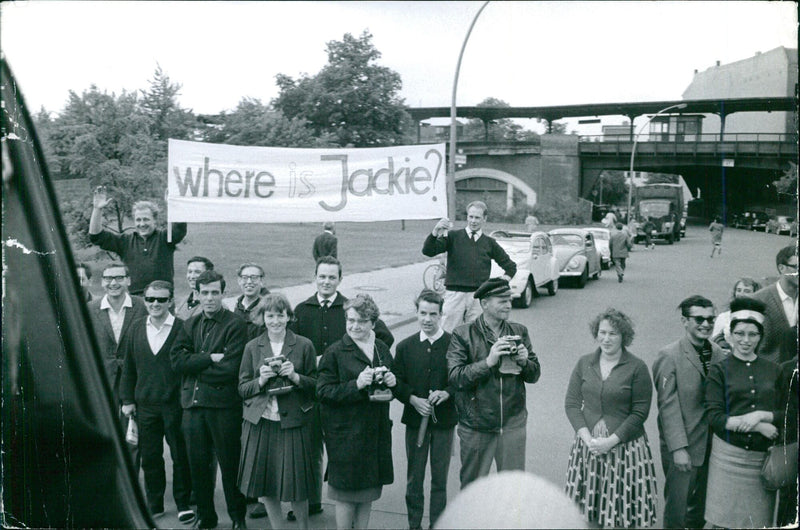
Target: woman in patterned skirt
{"type": "Point", "coordinates": [611, 475]}
{"type": "Point", "coordinates": [275, 463]}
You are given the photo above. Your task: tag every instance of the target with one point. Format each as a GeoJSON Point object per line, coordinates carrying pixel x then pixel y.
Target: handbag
{"type": "Point", "coordinates": [780, 466]}
{"type": "Point", "coordinates": [132, 435]}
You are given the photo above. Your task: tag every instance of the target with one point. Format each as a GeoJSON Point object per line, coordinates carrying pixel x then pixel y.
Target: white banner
{"type": "Point", "coordinates": [238, 184]}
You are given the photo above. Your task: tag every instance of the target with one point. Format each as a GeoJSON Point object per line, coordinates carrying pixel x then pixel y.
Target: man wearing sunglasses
{"type": "Point", "coordinates": [150, 389]}
{"type": "Point", "coordinates": [779, 343]}
{"type": "Point", "coordinates": [679, 373]}
{"type": "Point", "coordinates": [112, 317]}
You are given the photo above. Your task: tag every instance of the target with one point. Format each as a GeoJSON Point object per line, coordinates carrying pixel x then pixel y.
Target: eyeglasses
{"type": "Point", "coordinates": [251, 277]}
{"type": "Point", "coordinates": [159, 299]}
{"type": "Point", "coordinates": [109, 279]}
{"type": "Point", "coordinates": [748, 334]}
{"type": "Point", "coordinates": [699, 320]}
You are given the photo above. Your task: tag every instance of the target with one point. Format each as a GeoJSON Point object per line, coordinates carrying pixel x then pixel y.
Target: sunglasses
{"type": "Point", "coordinates": [159, 299]}
{"type": "Point", "coordinates": [111, 278]}
{"type": "Point", "coordinates": [699, 320]}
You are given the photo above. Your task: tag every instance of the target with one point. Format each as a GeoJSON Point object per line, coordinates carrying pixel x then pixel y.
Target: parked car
{"type": "Point", "coordinates": [537, 268]}
{"type": "Point", "coordinates": [780, 224]}
{"type": "Point", "coordinates": [602, 237]}
{"type": "Point", "coordinates": [577, 254]}
{"type": "Point", "coordinates": [751, 220]}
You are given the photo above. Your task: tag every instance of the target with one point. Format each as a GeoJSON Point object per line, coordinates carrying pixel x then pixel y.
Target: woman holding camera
{"type": "Point", "coordinates": [354, 391]}
{"type": "Point", "coordinates": [611, 475]}
{"type": "Point", "coordinates": [742, 407]}
{"type": "Point", "coordinates": [277, 380]}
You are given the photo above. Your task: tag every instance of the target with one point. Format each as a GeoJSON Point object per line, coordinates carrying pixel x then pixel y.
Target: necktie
{"type": "Point", "coordinates": [326, 303]}
{"type": "Point", "coordinates": [473, 236]}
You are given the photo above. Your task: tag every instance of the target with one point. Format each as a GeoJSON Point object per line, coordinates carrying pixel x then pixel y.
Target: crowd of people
{"type": "Point", "coordinates": [256, 389]}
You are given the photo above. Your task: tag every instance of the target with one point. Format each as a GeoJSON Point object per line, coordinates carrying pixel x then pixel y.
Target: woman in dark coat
{"type": "Point", "coordinates": [276, 458]}
{"type": "Point", "coordinates": [357, 428]}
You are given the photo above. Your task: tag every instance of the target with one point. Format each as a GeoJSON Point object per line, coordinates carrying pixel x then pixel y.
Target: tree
{"type": "Point", "coordinates": [160, 104]}
{"type": "Point", "coordinates": [615, 189]}
{"type": "Point", "coordinates": [662, 178]}
{"type": "Point", "coordinates": [351, 98]}
{"type": "Point", "coordinates": [787, 184]}
{"type": "Point", "coordinates": [500, 130]}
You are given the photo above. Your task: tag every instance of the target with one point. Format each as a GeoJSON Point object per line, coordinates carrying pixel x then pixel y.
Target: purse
{"type": "Point", "coordinates": [780, 467]}
{"type": "Point", "coordinates": [132, 435]}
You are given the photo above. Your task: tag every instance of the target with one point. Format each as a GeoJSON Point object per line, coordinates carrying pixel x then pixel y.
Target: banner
{"type": "Point", "coordinates": [237, 184]}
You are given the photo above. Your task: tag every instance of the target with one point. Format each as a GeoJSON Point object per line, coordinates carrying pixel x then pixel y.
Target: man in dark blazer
{"type": "Point", "coordinates": [780, 317]}
{"type": "Point", "coordinates": [619, 245]}
{"type": "Point", "coordinates": [679, 374]}
{"type": "Point", "coordinates": [112, 317]}
{"type": "Point", "coordinates": [320, 318]}
{"type": "Point", "coordinates": [208, 353]}
{"type": "Point", "coordinates": [326, 243]}
{"type": "Point", "coordinates": [420, 367]}
{"type": "Point", "coordinates": [150, 389]}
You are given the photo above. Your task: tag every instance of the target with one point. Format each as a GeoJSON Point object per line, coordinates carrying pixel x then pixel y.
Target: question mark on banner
{"type": "Point", "coordinates": [438, 166]}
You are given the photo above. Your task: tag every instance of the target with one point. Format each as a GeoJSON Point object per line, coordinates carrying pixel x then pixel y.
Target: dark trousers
{"type": "Point", "coordinates": [619, 266]}
{"type": "Point", "coordinates": [684, 493]}
{"type": "Point", "coordinates": [155, 424]}
{"type": "Point", "coordinates": [440, 444]}
{"type": "Point", "coordinates": [479, 449]}
{"type": "Point", "coordinates": [210, 431]}
{"type": "Point", "coordinates": [315, 493]}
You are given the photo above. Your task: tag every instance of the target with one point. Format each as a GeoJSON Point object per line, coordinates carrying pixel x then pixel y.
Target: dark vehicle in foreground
{"type": "Point", "coordinates": [65, 464]}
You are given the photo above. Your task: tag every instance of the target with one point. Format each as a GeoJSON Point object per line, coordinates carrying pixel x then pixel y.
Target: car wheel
{"type": "Point", "coordinates": [583, 278]}
{"type": "Point", "coordinates": [526, 297]}
{"type": "Point", "coordinates": [670, 239]}
{"type": "Point", "coordinates": [552, 287]}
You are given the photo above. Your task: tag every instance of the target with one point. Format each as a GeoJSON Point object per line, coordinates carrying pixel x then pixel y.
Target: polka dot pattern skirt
{"type": "Point", "coordinates": [617, 489]}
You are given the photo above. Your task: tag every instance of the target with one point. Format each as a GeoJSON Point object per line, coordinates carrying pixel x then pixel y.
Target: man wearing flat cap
{"type": "Point", "coordinates": [488, 362]}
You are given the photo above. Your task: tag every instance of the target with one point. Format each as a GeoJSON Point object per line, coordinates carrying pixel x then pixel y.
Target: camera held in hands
{"type": "Point", "coordinates": [378, 391]}
{"type": "Point", "coordinates": [507, 364]}
{"type": "Point", "coordinates": [278, 384]}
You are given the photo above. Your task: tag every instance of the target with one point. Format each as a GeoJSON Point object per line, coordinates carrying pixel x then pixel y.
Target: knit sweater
{"type": "Point", "coordinates": [148, 379]}
{"type": "Point", "coordinates": [469, 262]}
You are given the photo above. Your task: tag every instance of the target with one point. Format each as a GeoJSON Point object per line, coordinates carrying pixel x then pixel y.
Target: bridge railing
{"type": "Point", "coordinates": [684, 138]}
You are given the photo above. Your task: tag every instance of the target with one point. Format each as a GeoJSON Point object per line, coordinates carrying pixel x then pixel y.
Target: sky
{"type": "Point", "coordinates": [525, 53]}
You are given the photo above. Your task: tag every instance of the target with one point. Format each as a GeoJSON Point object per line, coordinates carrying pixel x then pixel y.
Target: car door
{"type": "Point", "coordinates": [539, 261]}
{"type": "Point", "coordinates": [591, 254]}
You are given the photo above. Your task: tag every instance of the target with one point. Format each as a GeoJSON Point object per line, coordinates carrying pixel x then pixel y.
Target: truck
{"type": "Point", "coordinates": [663, 204]}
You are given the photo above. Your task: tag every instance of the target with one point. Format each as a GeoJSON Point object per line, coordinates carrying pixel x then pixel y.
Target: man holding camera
{"type": "Point", "coordinates": [489, 361]}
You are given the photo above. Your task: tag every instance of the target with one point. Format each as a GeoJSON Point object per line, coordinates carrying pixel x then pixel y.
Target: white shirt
{"type": "Point", "coordinates": [272, 412]}
{"type": "Point", "coordinates": [331, 299]}
{"type": "Point", "coordinates": [436, 336]}
{"type": "Point", "coordinates": [156, 337]}
{"type": "Point", "coordinates": [117, 318]}
{"type": "Point", "coordinates": [789, 305]}
{"type": "Point", "coordinates": [478, 234]}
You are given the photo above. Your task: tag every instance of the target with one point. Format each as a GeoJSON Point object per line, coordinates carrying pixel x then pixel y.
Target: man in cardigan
{"type": "Point", "coordinates": [780, 318]}
{"type": "Point", "coordinates": [679, 373]}
{"type": "Point", "coordinates": [420, 367]}
{"type": "Point", "coordinates": [150, 390]}
{"type": "Point", "coordinates": [469, 262]}
{"type": "Point", "coordinates": [207, 353]}
{"type": "Point", "coordinates": [146, 251]}
{"type": "Point", "coordinates": [320, 318]}
{"type": "Point", "coordinates": [112, 317]}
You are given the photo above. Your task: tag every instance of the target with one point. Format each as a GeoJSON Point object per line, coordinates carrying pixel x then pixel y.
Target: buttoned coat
{"type": "Point", "coordinates": [679, 379]}
{"type": "Point", "coordinates": [294, 407]}
{"type": "Point", "coordinates": [113, 359]}
{"type": "Point", "coordinates": [777, 332]}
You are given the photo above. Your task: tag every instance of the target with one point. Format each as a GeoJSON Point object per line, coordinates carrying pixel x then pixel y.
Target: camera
{"type": "Point", "coordinates": [507, 364]}
{"type": "Point", "coordinates": [278, 384]}
{"type": "Point", "coordinates": [378, 391]}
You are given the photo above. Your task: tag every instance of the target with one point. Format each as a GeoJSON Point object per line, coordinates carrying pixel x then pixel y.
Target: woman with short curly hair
{"type": "Point", "coordinates": [611, 475]}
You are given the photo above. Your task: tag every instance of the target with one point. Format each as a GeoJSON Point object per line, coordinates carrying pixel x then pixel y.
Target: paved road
{"type": "Point", "coordinates": [655, 283]}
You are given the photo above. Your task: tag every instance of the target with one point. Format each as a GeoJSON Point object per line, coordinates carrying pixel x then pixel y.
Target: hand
{"type": "Point", "coordinates": [506, 277]}
{"type": "Point", "coordinates": [521, 357]}
{"type": "Point", "coordinates": [747, 422]}
{"type": "Point", "coordinates": [100, 198]}
{"type": "Point", "coordinates": [681, 459]}
{"type": "Point", "coordinates": [438, 396]}
{"type": "Point", "coordinates": [129, 410]}
{"type": "Point", "coordinates": [601, 446]}
{"type": "Point", "coordinates": [422, 405]}
{"type": "Point", "coordinates": [287, 371]}
{"type": "Point", "coordinates": [364, 378]}
{"type": "Point", "coordinates": [442, 226]}
{"type": "Point", "coordinates": [499, 348]}
{"type": "Point", "coordinates": [768, 430]}
{"type": "Point", "coordinates": [389, 379]}
{"type": "Point", "coordinates": [265, 373]}
{"type": "Point", "coordinates": [600, 430]}
{"type": "Point", "coordinates": [217, 357]}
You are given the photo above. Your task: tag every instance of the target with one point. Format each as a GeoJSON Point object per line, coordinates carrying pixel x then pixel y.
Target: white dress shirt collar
{"type": "Point", "coordinates": [436, 336]}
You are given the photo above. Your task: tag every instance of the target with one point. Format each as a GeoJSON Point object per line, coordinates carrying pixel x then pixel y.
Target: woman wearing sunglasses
{"type": "Point", "coordinates": [741, 402]}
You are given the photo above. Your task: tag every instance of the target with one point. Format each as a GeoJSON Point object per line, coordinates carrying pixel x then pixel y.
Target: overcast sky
{"type": "Point", "coordinates": [526, 53]}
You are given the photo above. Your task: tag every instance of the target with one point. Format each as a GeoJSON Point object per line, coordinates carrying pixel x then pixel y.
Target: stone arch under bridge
{"type": "Point", "coordinates": [510, 180]}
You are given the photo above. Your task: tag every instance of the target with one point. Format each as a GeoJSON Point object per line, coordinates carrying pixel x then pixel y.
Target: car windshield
{"type": "Point", "coordinates": [570, 240]}
{"type": "Point", "coordinates": [653, 208]}
{"type": "Point", "coordinates": [601, 234]}
{"type": "Point", "coordinates": [515, 247]}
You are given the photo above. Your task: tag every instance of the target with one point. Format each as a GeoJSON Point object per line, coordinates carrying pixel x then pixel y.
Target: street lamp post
{"type": "Point", "coordinates": [633, 149]}
{"type": "Point", "coordinates": [451, 162]}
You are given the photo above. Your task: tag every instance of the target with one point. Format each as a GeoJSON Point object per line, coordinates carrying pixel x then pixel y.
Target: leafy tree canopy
{"type": "Point", "coordinates": [502, 130]}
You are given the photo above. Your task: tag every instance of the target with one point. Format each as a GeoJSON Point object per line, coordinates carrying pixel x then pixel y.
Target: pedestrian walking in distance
{"type": "Point", "coordinates": [716, 229]}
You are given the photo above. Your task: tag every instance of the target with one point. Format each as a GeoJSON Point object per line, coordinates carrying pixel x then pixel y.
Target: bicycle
{"type": "Point", "coordinates": [434, 275]}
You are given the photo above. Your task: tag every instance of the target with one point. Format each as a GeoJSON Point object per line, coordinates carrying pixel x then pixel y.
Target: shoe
{"type": "Point", "coordinates": [619, 279]}
{"type": "Point", "coordinates": [258, 511]}
{"type": "Point", "coordinates": [239, 524]}
{"type": "Point", "coordinates": [157, 510]}
{"type": "Point", "coordinates": [186, 516]}
{"type": "Point", "coordinates": [200, 523]}
{"type": "Point", "coordinates": [290, 516]}
{"type": "Point", "coordinates": [314, 509]}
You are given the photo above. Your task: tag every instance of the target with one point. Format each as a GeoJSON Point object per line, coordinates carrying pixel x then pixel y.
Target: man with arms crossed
{"type": "Point", "coordinates": [679, 373]}
{"type": "Point", "coordinates": [469, 262]}
{"type": "Point", "coordinates": [420, 367]}
{"type": "Point", "coordinates": [207, 353]}
{"type": "Point", "coordinates": [489, 371]}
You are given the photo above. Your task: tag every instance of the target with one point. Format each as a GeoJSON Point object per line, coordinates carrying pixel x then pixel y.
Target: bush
{"type": "Point", "coordinates": [558, 212]}
{"type": "Point", "coordinates": [76, 214]}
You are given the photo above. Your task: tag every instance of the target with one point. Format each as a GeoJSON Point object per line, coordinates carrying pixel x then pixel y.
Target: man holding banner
{"type": "Point", "coordinates": [469, 262]}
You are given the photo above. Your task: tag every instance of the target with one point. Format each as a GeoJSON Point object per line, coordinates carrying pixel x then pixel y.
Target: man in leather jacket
{"type": "Point", "coordinates": [489, 361]}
